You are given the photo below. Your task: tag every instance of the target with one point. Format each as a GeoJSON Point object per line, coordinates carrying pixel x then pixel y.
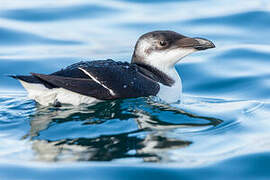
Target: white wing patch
{"type": "Point", "coordinates": [97, 81]}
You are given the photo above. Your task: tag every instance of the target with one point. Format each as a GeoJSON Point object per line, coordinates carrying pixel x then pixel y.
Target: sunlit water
{"type": "Point", "coordinates": [219, 130]}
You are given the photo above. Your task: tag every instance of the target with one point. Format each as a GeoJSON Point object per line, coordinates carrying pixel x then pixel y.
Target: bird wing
{"type": "Point", "coordinates": [103, 80]}
{"type": "Point", "coordinates": [85, 87]}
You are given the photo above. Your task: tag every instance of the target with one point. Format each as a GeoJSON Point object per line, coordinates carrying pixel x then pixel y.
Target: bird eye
{"type": "Point", "coordinates": [163, 43]}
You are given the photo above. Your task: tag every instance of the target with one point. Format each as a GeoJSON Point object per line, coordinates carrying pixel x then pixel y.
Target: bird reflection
{"type": "Point", "coordinates": [149, 140]}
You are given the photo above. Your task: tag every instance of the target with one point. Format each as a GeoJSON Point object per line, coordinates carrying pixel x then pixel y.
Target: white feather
{"type": "Point", "coordinates": [173, 93]}
{"type": "Point", "coordinates": [161, 59]}
{"type": "Point", "coordinates": [165, 60]}
{"type": "Point", "coordinates": [45, 96]}
{"type": "Point", "coordinates": [97, 81]}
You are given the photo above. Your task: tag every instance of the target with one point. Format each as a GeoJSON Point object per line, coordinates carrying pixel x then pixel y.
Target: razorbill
{"type": "Point", "coordinates": [150, 73]}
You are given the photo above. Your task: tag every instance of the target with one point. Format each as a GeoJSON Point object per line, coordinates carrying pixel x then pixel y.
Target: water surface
{"type": "Point", "coordinates": [219, 130]}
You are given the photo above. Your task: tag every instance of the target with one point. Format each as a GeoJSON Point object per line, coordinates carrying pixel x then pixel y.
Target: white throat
{"type": "Point", "coordinates": [173, 93]}
{"type": "Point", "coordinates": [164, 60]}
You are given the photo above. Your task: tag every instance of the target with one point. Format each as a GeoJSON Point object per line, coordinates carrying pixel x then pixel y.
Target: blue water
{"type": "Point", "coordinates": [220, 130]}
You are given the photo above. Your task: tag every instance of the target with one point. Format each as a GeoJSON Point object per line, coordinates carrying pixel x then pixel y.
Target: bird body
{"type": "Point", "coordinates": [151, 73]}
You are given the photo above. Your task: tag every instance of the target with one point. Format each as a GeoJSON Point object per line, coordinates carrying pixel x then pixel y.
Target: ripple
{"type": "Point", "coordinates": [151, 2]}
{"type": "Point", "coordinates": [248, 164]}
{"type": "Point", "coordinates": [145, 127]}
{"type": "Point", "coordinates": [141, 129]}
{"type": "Point", "coordinates": [219, 125]}
{"type": "Point", "coordinates": [251, 20]}
{"type": "Point", "coordinates": [244, 53]}
{"type": "Point", "coordinates": [53, 14]}
{"type": "Point", "coordinates": [11, 37]}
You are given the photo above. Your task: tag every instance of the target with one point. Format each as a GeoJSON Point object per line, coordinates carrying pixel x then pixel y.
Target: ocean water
{"type": "Point", "coordinates": [220, 130]}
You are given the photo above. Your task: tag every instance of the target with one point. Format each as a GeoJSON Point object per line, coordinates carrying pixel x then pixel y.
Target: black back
{"type": "Point", "coordinates": [124, 79]}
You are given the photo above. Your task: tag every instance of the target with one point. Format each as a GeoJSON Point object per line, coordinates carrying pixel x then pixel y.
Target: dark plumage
{"type": "Point", "coordinates": [117, 76]}
{"type": "Point", "coordinates": [150, 72]}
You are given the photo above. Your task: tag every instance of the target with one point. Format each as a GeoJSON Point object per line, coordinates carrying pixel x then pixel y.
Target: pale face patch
{"type": "Point", "coordinates": [151, 53]}
{"type": "Point", "coordinates": [166, 59]}
{"type": "Point", "coordinates": [144, 48]}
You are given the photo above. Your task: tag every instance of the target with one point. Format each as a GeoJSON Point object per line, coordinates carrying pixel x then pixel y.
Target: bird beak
{"type": "Point", "coordinates": [196, 43]}
{"type": "Point", "coordinates": [203, 44]}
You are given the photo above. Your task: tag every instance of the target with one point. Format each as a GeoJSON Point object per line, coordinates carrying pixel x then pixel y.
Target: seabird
{"type": "Point", "coordinates": [151, 73]}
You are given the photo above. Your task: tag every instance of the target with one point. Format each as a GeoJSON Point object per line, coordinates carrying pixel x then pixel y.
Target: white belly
{"type": "Point", "coordinates": [170, 94]}
{"type": "Point", "coordinates": [45, 96]}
